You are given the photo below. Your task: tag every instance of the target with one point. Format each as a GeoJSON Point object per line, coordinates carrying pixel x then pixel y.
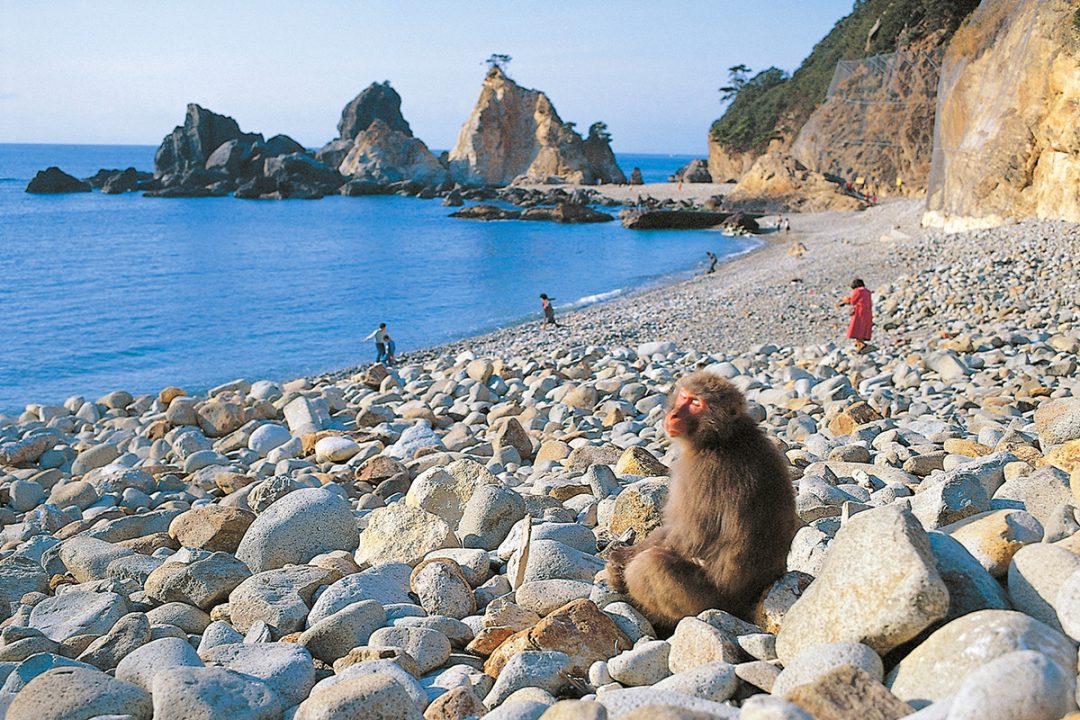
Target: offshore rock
{"type": "Point", "coordinates": [515, 132]}
{"type": "Point", "coordinates": [53, 180]}
{"type": "Point", "coordinates": [189, 145]}
{"type": "Point", "coordinates": [383, 155]}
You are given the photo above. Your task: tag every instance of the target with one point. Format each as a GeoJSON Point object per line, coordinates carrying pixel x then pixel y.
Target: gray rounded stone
{"type": "Point", "coordinates": [285, 667]}
{"type": "Point", "coordinates": [77, 693]}
{"type": "Point", "coordinates": [142, 664]}
{"type": "Point", "coordinates": [334, 636]}
{"type": "Point", "coordinates": [714, 681]}
{"type": "Point", "coordinates": [428, 647]}
{"type": "Point", "coordinates": [373, 697]}
{"type": "Point", "coordinates": [1023, 685]}
{"type": "Point", "coordinates": [208, 693]}
{"type": "Point", "coordinates": [77, 613]}
{"type": "Point", "coordinates": [817, 660]}
{"type": "Point", "coordinates": [298, 527]}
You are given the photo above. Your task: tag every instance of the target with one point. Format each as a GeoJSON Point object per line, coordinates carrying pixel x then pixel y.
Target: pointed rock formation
{"type": "Point", "coordinates": [1007, 136]}
{"type": "Point", "coordinates": [384, 155]}
{"type": "Point", "coordinates": [378, 101]}
{"type": "Point", "coordinates": [190, 145]}
{"type": "Point", "coordinates": [210, 155]}
{"type": "Point", "coordinates": [515, 133]}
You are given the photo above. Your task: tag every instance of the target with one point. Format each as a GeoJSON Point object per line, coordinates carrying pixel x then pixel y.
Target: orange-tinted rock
{"type": "Point", "coordinates": [578, 629]}
{"type": "Point", "coordinates": [848, 692]}
{"type": "Point", "coordinates": [212, 527]}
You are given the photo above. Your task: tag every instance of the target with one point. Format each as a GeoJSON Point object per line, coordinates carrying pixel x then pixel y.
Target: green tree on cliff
{"type": "Point", "coordinates": [599, 131]}
{"type": "Point", "coordinates": [497, 60]}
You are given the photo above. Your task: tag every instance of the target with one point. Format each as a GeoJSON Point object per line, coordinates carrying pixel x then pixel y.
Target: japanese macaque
{"type": "Point", "coordinates": [729, 518]}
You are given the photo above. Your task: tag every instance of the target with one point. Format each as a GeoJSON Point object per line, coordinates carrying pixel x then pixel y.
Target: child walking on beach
{"type": "Point", "coordinates": [549, 312]}
{"type": "Point", "coordinates": [381, 337]}
{"type": "Point", "coordinates": [862, 317]}
{"type": "Point", "coordinates": [712, 263]}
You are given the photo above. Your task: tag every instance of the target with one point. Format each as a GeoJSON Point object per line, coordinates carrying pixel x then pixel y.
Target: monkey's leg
{"type": "Point", "coordinates": [667, 587]}
{"type": "Point", "coordinates": [621, 557]}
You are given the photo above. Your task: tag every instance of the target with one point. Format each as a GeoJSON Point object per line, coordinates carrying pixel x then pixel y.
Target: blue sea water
{"type": "Point", "coordinates": [124, 292]}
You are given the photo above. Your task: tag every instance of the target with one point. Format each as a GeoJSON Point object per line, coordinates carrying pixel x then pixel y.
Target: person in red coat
{"type": "Point", "coordinates": [862, 315]}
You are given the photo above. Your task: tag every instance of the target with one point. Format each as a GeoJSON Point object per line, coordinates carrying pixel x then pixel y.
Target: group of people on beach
{"type": "Point", "coordinates": [385, 347]}
{"type": "Point", "coordinates": [860, 302]}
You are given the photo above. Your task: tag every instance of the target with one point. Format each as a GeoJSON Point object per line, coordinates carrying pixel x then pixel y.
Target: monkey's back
{"type": "Point", "coordinates": [733, 507]}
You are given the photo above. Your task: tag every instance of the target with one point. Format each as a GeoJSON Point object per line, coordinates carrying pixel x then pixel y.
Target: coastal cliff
{"type": "Point", "coordinates": [878, 122]}
{"type": "Point", "coordinates": [515, 133]}
{"type": "Point", "coordinates": [1007, 136]}
{"type": "Point", "coordinates": [846, 123]}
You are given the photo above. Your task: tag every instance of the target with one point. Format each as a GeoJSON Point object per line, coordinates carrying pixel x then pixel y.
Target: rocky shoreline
{"type": "Point", "coordinates": [424, 540]}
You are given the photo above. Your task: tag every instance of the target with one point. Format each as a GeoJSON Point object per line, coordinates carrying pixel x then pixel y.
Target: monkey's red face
{"type": "Point", "coordinates": [684, 412]}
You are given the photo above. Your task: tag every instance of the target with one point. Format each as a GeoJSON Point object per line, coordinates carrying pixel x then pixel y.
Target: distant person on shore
{"type": "Point", "coordinates": [862, 316]}
{"type": "Point", "coordinates": [712, 262]}
{"type": "Point", "coordinates": [381, 336]}
{"type": "Point", "coordinates": [391, 349]}
{"type": "Point", "coordinates": [549, 312]}
{"type": "Point", "coordinates": [796, 250]}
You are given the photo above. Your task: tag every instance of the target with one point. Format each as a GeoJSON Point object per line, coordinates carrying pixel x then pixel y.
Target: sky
{"type": "Point", "coordinates": [122, 71]}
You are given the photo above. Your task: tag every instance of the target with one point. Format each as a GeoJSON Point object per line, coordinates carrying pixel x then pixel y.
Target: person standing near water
{"type": "Point", "coordinates": [549, 312]}
{"type": "Point", "coordinates": [862, 317]}
{"type": "Point", "coordinates": [381, 337]}
{"type": "Point", "coordinates": [712, 262]}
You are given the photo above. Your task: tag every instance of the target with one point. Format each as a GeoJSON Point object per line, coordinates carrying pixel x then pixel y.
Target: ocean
{"type": "Point", "coordinates": [101, 293]}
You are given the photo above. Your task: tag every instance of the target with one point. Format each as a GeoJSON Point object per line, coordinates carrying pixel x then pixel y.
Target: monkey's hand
{"type": "Point", "coordinates": [615, 571]}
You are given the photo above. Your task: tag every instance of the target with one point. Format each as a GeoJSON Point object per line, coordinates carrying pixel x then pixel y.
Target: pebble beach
{"type": "Point", "coordinates": [424, 540]}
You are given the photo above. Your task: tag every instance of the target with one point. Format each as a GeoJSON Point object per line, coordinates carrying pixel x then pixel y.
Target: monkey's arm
{"type": "Point", "coordinates": [619, 558]}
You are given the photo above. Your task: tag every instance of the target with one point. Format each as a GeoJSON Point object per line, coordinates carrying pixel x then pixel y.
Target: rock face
{"type": "Point", "coordinates": [382, 154]}
{"type": "Point", "coordinates": [858, 130]}
{"type": "Point", "coordinates": [695, 171]}
{"type": "Point", "coordinates": [514, 132]}
{"type": "Point", "coordinates": [53, 180]}
{"type": "Point", "coordinates": [1006, 142]}
{"type": "Point", "coordinates": [779, 181]}
{"type": "Point", "coordinates": [190, 145]}
{"type": "Point", "coordinates": [378, 101]}
{"type": "Point", "coordinates": [210, 155]}
{"type": "Point", "coordinates": [726, 166]}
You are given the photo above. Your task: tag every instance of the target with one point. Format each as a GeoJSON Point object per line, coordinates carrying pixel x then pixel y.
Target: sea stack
{"type": "Point", "coordinates": [378, 101]}
{"type": "Point", "coordinates": [383, 155]}
{"type": "Point", "coordinates": [514, 133]}
{"type": "Point", "coordinates": [210, 155]}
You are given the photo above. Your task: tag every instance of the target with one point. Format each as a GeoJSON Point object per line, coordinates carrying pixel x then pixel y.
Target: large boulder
{"type": "Point", "coordinates": [53, 180]}
{"type": "Point", "coordinates": [695, 171]}
{"type": "Point", "coordinates": [77, 693]}
{"type": "Point", "coordinates": [937, 668]}
{"type": "Point", "coordinates": [294, 175]}
{"type": "Point", "coordinates": [298, 527]}
{"type": "Point", "coordinates": [378, 101]}
{"type": "Point", "coordinates": [879, 585]}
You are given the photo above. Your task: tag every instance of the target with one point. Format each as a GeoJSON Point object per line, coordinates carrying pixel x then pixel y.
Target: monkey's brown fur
{"type": "Point", "coordinates": [729, 518]}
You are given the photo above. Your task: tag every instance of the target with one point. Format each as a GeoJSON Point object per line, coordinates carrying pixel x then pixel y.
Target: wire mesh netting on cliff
{"type": "Point", "coordinates": [873, 79]}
